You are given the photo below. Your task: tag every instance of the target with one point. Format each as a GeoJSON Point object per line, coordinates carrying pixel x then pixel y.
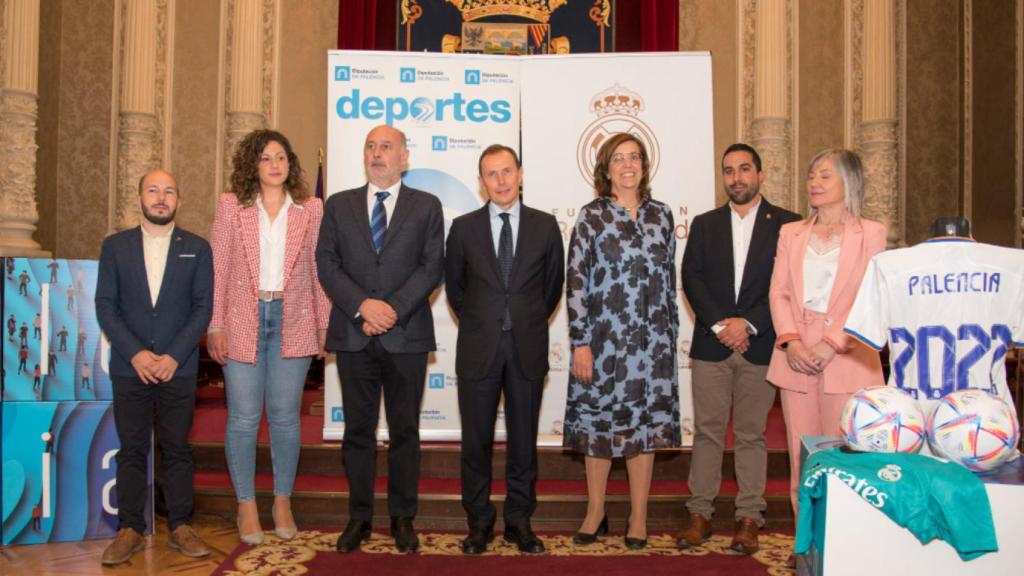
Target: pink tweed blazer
{"type": "Point", "coordinates": [236, 273]}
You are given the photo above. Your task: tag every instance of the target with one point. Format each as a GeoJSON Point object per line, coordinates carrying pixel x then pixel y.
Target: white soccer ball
{"type": "Point", "coordinates": [882, 419]}
{"type": "Point", "coordinates": [974, 428]}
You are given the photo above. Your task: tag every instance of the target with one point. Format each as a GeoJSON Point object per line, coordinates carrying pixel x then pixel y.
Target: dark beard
{"type": "Point", "coordinates": [159, 220]}
{"type": "Point", "coordinates": [742, 198]}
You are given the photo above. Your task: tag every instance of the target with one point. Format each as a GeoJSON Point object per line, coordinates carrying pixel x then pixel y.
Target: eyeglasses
{"type": "Point", "coordinates": [632, 157]}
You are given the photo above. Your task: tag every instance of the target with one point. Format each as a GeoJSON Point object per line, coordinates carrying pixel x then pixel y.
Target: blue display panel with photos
{"type": "Point", "coordinates": [59, 472]}
{"type": "Point", "coordinates": [53, 348]}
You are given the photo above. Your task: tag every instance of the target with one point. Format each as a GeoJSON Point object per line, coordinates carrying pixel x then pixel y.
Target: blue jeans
{"type": "Point", "coordinates": [281, 381]}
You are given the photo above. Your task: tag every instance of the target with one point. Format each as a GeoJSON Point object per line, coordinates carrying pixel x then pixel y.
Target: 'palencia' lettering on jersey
{"type": "Point", "coordinates": [869, 493]}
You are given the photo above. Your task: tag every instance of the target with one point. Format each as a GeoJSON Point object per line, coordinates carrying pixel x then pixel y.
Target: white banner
{"type": "Point", "coordinates": [450, 109]}
{"type": "Point", "coordinates": [570, 104]}
{"type": "Point", "coordinates": [452, 106]}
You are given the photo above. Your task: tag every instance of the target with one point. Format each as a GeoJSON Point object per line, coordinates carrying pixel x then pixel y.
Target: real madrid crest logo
{"type": "Point", "coordinates": [890, 473]}
{"type": "Point", "coordinates": [617, 110]}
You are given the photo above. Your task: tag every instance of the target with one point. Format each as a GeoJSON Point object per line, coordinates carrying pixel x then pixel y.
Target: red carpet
{"type": "Point", "coordinates": [313, 552]}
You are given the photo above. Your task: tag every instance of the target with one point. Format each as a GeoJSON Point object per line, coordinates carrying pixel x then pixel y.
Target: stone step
{"type": "Point", "coordinates": [322, 501]}
{"type": "Point", "coordinates": [441, 460]}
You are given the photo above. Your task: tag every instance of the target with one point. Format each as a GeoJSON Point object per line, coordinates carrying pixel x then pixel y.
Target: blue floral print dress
{"type": "Point", "coordinates": [621, 298]}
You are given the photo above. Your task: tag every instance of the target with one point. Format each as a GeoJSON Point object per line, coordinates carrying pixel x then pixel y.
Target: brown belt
{"type": "Point", "coordinates": [269, 296]}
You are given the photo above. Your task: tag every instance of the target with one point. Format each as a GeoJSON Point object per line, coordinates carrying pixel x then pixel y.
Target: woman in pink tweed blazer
{"type": "Point", "coordinates": [269, 316]}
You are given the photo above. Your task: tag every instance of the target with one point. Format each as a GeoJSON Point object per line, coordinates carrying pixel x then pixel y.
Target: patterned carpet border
{"type": "Point", "coordinates": [294, 557]}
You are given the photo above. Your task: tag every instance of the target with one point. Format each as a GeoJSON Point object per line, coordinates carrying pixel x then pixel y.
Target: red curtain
{"type": "Point", "coordinates": [367, 25]}
{"type": "Point", "coordinates": [640, 26]}
{"type": "Point", "coordinates": [647, 26]}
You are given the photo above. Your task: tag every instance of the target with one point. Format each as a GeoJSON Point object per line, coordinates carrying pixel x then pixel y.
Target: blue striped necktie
{"type": "Point", "coordinates": [379, 220]}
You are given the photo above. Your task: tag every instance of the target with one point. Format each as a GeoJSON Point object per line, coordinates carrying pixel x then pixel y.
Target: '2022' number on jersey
{"type": "Point", "coordinates": [915, 347]}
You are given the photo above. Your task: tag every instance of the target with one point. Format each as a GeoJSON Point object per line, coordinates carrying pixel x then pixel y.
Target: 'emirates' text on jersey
{"type": "Point", "coordinates": [950, 309]}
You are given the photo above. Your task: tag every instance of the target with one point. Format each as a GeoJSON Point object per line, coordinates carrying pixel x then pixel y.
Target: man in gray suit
{"type": "Point", "coordinates": [379, 257]}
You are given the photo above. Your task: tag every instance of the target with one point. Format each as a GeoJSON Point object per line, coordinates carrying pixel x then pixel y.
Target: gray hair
{"type": "Point", "coordinates": [847, 163]}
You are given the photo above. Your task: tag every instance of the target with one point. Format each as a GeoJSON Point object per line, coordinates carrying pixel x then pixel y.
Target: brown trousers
{"type": "Point", "coordinates": [718, 386]}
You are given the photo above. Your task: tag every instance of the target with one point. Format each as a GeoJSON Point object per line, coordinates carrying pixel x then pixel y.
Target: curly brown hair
{"type": "Point", "coordinates": [603, 184]}
{"type": "Point", "coordinates": [245, 176]}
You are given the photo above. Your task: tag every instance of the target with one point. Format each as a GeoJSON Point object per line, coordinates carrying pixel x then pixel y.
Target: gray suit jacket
{"type": "Point", "coordinates": [404, 274]}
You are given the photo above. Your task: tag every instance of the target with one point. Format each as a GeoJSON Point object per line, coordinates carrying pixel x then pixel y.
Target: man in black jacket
{"type": "Point", "coordinates": [727, 270]}
{"type": "Point", "coordinates": [504, 271]}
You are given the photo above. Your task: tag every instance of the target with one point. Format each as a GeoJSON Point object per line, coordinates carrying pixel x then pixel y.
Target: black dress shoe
{"type": "Point", "coordinates": [523, 537]}
{"type": "Point", "coordinates": [406, 540]}
{"type": "Point", "coordinates": [477, 541]}
{"type": "Point", "coordinates": [354, 534]}
{"type": "Point", "coordinates": [584, 539]}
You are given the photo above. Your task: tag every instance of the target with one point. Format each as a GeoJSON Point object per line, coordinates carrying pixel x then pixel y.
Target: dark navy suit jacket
{"type": "Point", "coordinates": [183, 308]}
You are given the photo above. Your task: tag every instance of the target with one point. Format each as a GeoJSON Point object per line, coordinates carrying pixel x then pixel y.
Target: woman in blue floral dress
{"type": "Point", "coordinates": [621, 293]}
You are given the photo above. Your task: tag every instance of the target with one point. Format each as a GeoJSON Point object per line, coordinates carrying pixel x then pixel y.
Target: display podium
{"type": "Point", "coordinates": [851, 537]}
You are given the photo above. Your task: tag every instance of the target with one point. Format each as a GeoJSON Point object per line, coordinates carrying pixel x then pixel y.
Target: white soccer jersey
{"type": "Point", "coordinates": [950, 309]}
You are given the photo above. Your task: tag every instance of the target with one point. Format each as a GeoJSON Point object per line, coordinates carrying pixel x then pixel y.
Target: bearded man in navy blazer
{"type": "Point", "coordinates": [504, 271]}
{"type": "Point", "coordinates": [154, 298]}
{"type": "Point", "coordinates": [379, 257]}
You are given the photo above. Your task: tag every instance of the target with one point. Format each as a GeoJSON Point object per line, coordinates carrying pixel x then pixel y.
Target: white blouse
{"type": "Point", "coordinates": [821, 261]}
{"type": "Point", "coordinates": [273, 235]}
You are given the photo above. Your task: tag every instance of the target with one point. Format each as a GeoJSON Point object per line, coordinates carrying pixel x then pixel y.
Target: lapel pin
{"type": "Point", "coordinates": [768, 216]}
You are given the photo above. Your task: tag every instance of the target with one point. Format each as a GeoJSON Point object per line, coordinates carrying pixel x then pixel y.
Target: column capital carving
{"type": "Point", "coordinates": [18, 211]}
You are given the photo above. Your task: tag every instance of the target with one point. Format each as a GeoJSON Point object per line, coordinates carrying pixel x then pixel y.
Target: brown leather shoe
{"type": "Point", "coordinates": [745, 540]}
{"type": "Point", "coordinates": [696, 534]}
{"type": "Point", "coordinates": [126, 543]}
{"type": "Point", "coordinates": [185, 540]}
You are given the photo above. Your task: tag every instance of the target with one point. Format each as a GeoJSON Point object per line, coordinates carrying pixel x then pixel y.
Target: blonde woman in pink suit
{"type": "Point", "coordinates": [818, 268]}
{"type": "Point", "coordinates": [269, 316]}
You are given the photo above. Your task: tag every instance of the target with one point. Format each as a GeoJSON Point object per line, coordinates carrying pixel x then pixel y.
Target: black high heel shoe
{"type": "Point", "coordinates": [633, 543]}
{"type": "Point", "coordinates": [584, 539]}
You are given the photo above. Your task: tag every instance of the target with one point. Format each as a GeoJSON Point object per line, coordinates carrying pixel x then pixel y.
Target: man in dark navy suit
{"type": "Point", "coordinates": [503, 276]}
{"type": "Point", "coordinates": [379, 257]}
{"type": "Point", "coordinates": [154, 298]}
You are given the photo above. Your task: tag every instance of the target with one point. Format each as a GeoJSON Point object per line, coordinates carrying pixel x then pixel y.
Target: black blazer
{"type": "Point", "coordinates": [183, 308]}
{"type": "Point", "coordinates": [708, 280]}
{"type": "Point", "coordinates": [406, 271]}
{"type": "Point", "coordinates": [477, 295]}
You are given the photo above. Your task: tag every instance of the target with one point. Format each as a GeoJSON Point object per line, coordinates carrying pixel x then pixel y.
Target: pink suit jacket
{"type": "Point", "coordinates": [854, 367]}
{"type": "Point", "coordinates": [236, 276]}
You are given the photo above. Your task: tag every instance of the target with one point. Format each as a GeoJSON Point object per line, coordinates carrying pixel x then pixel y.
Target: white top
{"type": "Point", "coordinates": [950, 308]}
{"type": "Point", "coordinates": [742, 230]}
{"type": "Point", "coordinates": [821, 261]}
{"type": "Point", "coordinates": [154, 251]}
{"type": "Point", "coordinates": [389, 202]}
{"type": "Point", "coordinates": [273, 235]}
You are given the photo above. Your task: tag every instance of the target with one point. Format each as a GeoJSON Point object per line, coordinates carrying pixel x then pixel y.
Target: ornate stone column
{"type": "Point", "coordinates": [770, 127]}
{"type": "Point", "coordinates": [138, 129]}
{"type": "Point", "coordinates": [246, 81]}
{"type": "Point", "coordinates": [877, 133]}
{"type": "Point", "coordinates": [18, 122]}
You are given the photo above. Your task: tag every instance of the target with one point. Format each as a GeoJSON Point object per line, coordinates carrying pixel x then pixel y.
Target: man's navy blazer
{"type": "Point", "coordinates": [183, 308]}
{"type": "Point", "coordinates": [478, 295]}
{"type": "Point", "coordinates": [404, 274]}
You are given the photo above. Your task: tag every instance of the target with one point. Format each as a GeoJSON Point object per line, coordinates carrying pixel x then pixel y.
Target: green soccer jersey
{"type": "Point", "coordinates": [929, 497]}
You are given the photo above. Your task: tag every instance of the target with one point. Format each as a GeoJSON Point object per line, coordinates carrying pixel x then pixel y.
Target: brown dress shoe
{"type": "Point", "coordinates": [696, 534]}
{"type": "Point", "coordinates": [745, 540]}
{"type": "Point", "coordinates": [126, 543]}
{"type": "Point", "coordinates": [185, 540]}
